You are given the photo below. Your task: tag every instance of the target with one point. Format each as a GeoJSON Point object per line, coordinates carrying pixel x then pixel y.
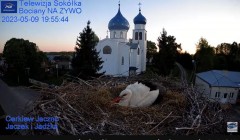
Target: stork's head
{"type": "Point", "coordinates": [124, 98]}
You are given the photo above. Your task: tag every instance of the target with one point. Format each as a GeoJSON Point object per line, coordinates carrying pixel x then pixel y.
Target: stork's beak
{"type": "Point", "coordinates": [117, 99]}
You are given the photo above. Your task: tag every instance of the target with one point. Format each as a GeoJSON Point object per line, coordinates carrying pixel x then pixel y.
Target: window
{"type": "Point", "coordinates": [138, 51]}
{"type": "Point", "coordinates": [121, 34]}
{"type": "Point", "coordinates": [140, 35]}
{"type": "Point", "coordinates": [107, 50]}
{"type": "Point", "coordinates": [122, 60]}
{"type": "Point", "coordinates": [217, 94]}
{"type": "Point", "coordinates": [114, 35]}
{"type": "Point", "coordinates": [231, 95]}
{"type": "Point", "coordinates": [136, 35]}
{"type": "Point", "coordinates": [225, 95]}
{"type": "Point", "coordinates": [145, 36]}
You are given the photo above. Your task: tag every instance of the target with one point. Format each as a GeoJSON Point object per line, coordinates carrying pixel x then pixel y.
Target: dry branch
{"type": "Point", "coordinates": [85, 108]}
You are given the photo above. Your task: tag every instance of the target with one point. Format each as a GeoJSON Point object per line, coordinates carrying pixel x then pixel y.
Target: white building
{"type": "Point", "coordinates": [121, 57]}
{"type": "Point", "coordinates": [222, 86]}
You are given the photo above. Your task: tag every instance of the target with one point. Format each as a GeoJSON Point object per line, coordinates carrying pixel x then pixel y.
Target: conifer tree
{"type": "Point", "coordinates": [166, 57]}
{"type": "Point", "coordinates": [86, 61]}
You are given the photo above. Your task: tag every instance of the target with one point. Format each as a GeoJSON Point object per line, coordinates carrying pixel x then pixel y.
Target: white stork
{"type": "Point", "coordinates": [138, 95]}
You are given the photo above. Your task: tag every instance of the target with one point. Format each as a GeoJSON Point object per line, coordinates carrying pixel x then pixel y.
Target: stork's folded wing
{"type": "Point", "coordinates": [148, 99]}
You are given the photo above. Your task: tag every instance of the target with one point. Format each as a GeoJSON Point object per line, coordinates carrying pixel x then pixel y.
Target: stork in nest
{"type": "Point", "coordinates": [139, 94]}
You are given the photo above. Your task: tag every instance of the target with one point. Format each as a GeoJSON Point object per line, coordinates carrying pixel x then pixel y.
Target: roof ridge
{"type": "Point", "coordinates": [226, 77]}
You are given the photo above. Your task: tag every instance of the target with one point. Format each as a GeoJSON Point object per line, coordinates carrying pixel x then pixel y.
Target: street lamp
{"type": "Point", "coordinates": [57, 69]}
{"type": "Point", "coordinates": [193, 71]}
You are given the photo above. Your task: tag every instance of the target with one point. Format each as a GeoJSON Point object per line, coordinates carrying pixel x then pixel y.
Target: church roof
{"type": "Point", "coordinates": [118, 22]}
{"type": "Point", "coordinates": [140, 19]}
{"type": "Point", "coordinates": [133, 45]}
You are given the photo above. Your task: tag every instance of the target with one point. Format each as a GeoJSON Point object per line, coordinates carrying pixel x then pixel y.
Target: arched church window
{"type": "Point", "coordinates": [140, 35]}
{"type": "Point", "coordinates": [107, 50]}
{"type": "Point", "coordinates": [138, 51]}
{"type": "Point", "coordinates": [121, 34]}
{"type": "Point", "coordinates": [136, 35]}
{"type": "Point", "coordinates": [114, 35]}
{"type": "Point", "coordinates": [122, 60]}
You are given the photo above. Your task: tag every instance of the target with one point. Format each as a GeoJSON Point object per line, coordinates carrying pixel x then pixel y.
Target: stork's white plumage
{"type": "Point", "coordinates": [137, 95]}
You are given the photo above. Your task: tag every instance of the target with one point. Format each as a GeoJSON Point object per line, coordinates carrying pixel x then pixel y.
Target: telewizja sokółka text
{"type": "Point", "coordinates": [50, 3]}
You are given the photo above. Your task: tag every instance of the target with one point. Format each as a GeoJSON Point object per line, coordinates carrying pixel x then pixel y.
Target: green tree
{"type": "Point", "coordinates": [23, 59]}
{"type": "Point", "coordinates": [204, 56]}
{"type": "Point", "coordinates": [168, 49]}
{"type": "Point", "coordinates": [86, 61]}
{"type": "Point", "coordinates": [151, 50]}
{"type": "Point", "coordinates": [234, 57]}
{"type": "Point", "coordinates": [228, 56]}
{"type": "Point", "coordinates": [185, 59]}
{"type": "Point", "coordinates": [221, 57]}
{"type": "Point", "coordinates": [223, 49]}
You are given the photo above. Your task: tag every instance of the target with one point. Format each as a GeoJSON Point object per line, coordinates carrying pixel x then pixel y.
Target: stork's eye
{"type": "Point", "coordinates": [123, 95]}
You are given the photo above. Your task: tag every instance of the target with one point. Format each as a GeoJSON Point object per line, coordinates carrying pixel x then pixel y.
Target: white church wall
{"type": "Point", "coordinates": [142, 43]}
{"type": "Point", "coordinates": [110, 60]}
{"type": "Point", "coordinates": [135, 60]}
{"type": "Point", "coordinates": [139, 26]}
{"type": "Point", "coordinates": [133, 55]}
{"type": "Point", "coordinates": [119, 34]}
{"type": "Point", "coordinates": [123, 63]}
{"type": "Point", "coordinates": [138, 61]}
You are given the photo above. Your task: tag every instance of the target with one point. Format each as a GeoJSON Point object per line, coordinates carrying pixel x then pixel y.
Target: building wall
{"type": "Point", "coordinates": [139, 26]}
{"type": "Point", "coordinates": [142, 43]}
{"type": "Point", "coordinates": [135, 60]}
{"type": "Point", "coordinates": [210, 92]}
{"type": "Point", "coordinates": [110, 64]}
{"type": "Point", "coordinates": [202, 87]}
{"type": "Point", "coordinates": [120, 35]}
{"type": "Point", "coordinates": [123, 68]}
{"type": "Point", "coordinates": [222, 91]}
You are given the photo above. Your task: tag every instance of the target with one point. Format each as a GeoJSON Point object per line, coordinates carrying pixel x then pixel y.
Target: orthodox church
{"type": "Point", "coordinates": [123, 57]}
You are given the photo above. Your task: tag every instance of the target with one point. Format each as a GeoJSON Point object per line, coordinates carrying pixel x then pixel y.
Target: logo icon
{"type": "Point", "coordinates": [8, 6]}
{"type": "Point", "coordinates": [232, 126]}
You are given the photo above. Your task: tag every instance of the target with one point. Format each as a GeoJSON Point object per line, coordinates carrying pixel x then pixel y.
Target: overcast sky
{"type": "Point", "coordinates": [188, 20]}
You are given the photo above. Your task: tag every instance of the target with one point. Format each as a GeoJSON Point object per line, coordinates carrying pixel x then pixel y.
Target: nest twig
{"type": "Point", "coordinates": [85, 108]}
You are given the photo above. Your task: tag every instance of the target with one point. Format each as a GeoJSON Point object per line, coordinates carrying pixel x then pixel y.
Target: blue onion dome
{"type": "Point", "coordinates": [140, 19]}
{"type": "Point", "coordinates": [118, 22]}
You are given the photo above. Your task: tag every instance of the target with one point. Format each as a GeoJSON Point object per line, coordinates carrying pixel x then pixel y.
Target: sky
{"type": "Point", "coordinates": [187, 20]}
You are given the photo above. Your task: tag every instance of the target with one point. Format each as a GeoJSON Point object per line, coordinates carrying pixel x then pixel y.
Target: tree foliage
{"type": "Point", "coordinates": [204, 56]}
{"type": "Point", "coordinates": [185, 59]}
{"type": "Point", "coordinates": [151, 50]}
{"type": "Point", "coordinates": [228, 56]}
{"type": "Point", "coordinates": [168, 50]}
{"type": "Point", "coordinates": [23, 58]}
{"type": "Point", "coordinates": [86, 61]}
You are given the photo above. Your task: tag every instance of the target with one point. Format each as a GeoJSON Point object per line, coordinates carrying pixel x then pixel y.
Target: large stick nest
{"type": "Point", "coordinates": [86, 108]}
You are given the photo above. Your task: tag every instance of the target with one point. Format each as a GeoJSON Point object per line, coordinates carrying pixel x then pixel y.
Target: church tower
{"type": "Point", "coordinates": [140, 37]}
{"type": "Point", "coordinates": [118, 27]}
